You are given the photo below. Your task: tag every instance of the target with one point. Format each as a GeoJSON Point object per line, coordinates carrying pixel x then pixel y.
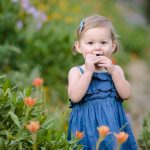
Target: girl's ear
{"type": "Point", "coordinates": [114, 46]}
{"type": "Point", "coordinates": [77, 46]}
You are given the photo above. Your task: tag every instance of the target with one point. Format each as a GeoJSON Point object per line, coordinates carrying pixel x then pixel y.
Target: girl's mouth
{"type": "Point", "coordinates": [99, 54]}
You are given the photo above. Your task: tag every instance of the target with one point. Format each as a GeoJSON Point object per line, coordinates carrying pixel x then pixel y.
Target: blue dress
{"type": "Point", "coordinates": [101, 105]}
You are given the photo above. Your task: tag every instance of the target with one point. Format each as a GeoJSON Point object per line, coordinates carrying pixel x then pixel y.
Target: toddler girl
{"type": "Point", "coordinates": [98, 87]}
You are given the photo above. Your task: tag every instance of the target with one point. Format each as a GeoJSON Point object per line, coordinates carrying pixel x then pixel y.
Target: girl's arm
{"type": "Point", "coordinates": [122, 85]}
{"type": "Point", "coordinates": [78, 83]}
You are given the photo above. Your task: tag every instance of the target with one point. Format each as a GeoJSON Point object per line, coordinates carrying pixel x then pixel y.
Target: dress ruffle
{"type": "Point", "coordinates": [101, 87]}
{"type": "Point", "coordinates": [101, 82]}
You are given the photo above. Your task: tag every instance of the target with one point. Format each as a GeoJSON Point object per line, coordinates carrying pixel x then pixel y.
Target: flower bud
{"type": "Point", "coordinates": [121, 137]}
{"type": "Point", "coordinates": [103, 130]}
{"type": "Point", "coordinates": [33, 126]}
{"type": "Point", "coordinates": [79, 135]}
{"type": "Point", "coordinates": [37, 82]}
{"type": "Point", "coordinates": [29, 101]}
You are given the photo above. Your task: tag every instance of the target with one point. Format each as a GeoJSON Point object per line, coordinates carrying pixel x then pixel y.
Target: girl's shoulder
{"type": "Point", "coordinates": [75, 71]}
{"type": "Point", "coordinates": [119, 69]}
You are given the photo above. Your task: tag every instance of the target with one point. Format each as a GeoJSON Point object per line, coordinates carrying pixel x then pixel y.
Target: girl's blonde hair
{"type": "Point", "coordinates": [96, 21]}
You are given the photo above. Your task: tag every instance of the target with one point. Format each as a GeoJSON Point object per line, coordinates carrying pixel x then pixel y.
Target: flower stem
{"type": "Point", "coordinates": [99, 142]}
{"type": "Point", "coordinates": [20, 146]}
{"type": "Point", "coordinates": [27, 113]}
{"type": "Point", "coordinates": [34, 146]}
{"type": "Point", "coordinates": [118, 146]}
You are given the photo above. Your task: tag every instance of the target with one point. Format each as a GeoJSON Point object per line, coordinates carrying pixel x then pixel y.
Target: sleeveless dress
{"type": "Point", "coordinates": [101, 105]}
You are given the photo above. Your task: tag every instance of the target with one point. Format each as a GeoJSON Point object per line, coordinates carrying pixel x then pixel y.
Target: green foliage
{"type": "Point", "coordinates": [144, 138]}
{"type": "Point", "coordinates": [8, 19]}
{"type": "Point", "coordinates": [135, 40]}
{"type": "Point", "coordinates": [15, 115]}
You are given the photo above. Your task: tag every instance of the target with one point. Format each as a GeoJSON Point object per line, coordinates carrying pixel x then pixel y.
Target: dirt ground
{"type": "Point", "coordinates": [139, 103]}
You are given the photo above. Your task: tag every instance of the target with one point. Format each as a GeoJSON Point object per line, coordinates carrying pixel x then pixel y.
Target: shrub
{"type": "Point", "coordinates": [144, 137]}
{"type": "Point", "coordinates": [25, 123]}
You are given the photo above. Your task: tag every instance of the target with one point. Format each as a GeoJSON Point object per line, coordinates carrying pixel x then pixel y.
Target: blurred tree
{"type": "Point", "coordinates": [147, 10]}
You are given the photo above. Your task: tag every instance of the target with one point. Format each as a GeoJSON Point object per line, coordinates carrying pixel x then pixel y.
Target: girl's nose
{"type": "Point", "coordinates": [97, 46]}
{"type": "Point", "coordinates": [97, 50]}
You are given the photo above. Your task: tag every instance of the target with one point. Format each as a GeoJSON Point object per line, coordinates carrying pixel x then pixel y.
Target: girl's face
{"type": "Point", "coordinates": [96, 41]}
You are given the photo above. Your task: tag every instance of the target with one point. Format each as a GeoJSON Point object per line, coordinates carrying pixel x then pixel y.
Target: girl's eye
{"type": "Point", "coordinates": [103, 42]}
{"type": "Point", "coordinates": [90, 43]}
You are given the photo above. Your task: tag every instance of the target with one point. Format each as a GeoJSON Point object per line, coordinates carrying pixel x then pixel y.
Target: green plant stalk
{"type": "Point", "coordinates": [3, 120]}
{"type": "Point", "coordinates": [34, 136]}
{"type": "Point", "coordinates": [27, 113]}
{"type": "Point", "coordinates": [20, 146]}
{"type": "Point", "coordinates": [23, 125]}
{"type": "Point", "coordinates": [100, 139]}
{"type": "Point", "coordinates": [118, 146]}
{"type": "Point", "coordinates": [44, 96]}
{"type": "Point", "coordinates": [39, 92]}
{"type": "Point", "coordinates": [39, 95]}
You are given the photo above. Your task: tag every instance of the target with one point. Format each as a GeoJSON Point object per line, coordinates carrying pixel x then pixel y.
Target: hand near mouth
{"type": "Point", "coordinates": [97, 66]}
{"type": "Point", "coordinates": [91, 61]}
{"type": "Point", "coordinates": [106, 63]}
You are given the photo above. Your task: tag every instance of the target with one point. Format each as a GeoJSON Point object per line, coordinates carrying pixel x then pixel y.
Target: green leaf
{"type": "Point", "coordinates": [43, 148]}
{"type": "Point", "coordinates": [2, 143]}
{"type": "Point", "coordinates": [2, 76]}
{"type": "Point", "coordinates": [9, 48]}
{"type": "Point", "coordinates": [15, 119]}
{"type": "Point", "coordinates": [48, 123]}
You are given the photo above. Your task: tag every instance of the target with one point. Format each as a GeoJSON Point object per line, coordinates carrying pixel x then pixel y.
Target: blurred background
{"type": "Point", "coordinates": [36, 38]}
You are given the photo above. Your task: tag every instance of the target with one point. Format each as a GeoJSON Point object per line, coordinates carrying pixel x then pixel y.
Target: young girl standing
{"type": "Point", "coordinates": [98, 87]}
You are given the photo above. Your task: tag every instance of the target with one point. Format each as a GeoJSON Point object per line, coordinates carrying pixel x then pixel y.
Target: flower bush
{"type": "Point", "coordinates": [25, 124]}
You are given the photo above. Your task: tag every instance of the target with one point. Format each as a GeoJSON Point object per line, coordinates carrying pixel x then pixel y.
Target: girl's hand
{"type": "Point", "coordinates": [106, 63]}
{"type": "Point", "coordinates": [90, 62]}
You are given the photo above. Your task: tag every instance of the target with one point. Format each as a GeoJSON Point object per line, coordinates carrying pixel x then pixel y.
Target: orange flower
{"type": "Point", "coordinates": [33, 126]}
{"type": "Point", "coordinates": [103, 130]}
{"type": "Point", "coordinates": [29, 101]}
{"type": "Point", "coordinates": [79, 134]}
{"type": "Point", "coordinates": [37, 82]}
{"type": "Point", "coordinates": [121, 137]}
